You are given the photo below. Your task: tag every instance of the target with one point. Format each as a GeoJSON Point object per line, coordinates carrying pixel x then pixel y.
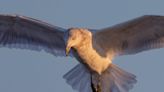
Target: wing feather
{"type": "Point", "coordinates": [140, 34]}
{"type": "Point", "coordinates": [27, 33]}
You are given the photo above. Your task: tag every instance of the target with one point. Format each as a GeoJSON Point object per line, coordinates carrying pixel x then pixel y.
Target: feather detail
{"type": "Point", "coordinates": [27, 33]}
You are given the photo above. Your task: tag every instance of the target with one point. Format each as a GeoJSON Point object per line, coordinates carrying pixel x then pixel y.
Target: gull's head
{"type": "Point", "coordinates": [75, 37]}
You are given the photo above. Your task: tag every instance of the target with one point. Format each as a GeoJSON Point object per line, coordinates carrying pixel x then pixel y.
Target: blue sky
{"type": "Point", "coordinates": [30, 71]}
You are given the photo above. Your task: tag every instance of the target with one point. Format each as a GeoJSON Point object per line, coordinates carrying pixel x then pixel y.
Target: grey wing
{"type": "Point", "coordinates": [140, 34]}
{"type": "Point", "coordinates": [27, 33]}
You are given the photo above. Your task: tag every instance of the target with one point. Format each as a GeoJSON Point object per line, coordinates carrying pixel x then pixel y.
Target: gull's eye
{"type": "Point", "coordinates": [73, 38]}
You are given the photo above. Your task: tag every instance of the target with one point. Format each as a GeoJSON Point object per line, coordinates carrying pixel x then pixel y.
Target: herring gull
{"type": "Point", "coordinates": [94, 49]}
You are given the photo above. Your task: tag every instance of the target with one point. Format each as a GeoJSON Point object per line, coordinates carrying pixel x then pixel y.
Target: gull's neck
{"type": "Point", "coordinates": [91, 57]}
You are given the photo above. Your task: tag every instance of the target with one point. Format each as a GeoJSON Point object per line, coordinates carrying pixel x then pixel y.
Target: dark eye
{"type": "Point", "coordinates": [73, 38]}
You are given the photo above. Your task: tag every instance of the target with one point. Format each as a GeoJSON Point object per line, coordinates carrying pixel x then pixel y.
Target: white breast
{"type": "Point", "coordinates": [92, 58]}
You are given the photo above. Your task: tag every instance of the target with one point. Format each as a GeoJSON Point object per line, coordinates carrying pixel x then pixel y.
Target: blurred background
{"type": "Point", "coordinates": [30, 71]}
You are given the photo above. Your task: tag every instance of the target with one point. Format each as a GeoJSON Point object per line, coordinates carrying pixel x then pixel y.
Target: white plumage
{"type": "Point", "coordinates": [93, 49]}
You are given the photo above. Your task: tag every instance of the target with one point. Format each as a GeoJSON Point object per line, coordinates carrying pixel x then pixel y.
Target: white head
{"type": "Point", "coordinates": [75, 38]}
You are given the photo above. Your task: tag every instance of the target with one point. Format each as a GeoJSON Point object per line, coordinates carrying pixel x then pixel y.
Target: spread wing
{"type": "Point", "coordinates": [27, 33]}
{"type": "Point", "coordinates": [140, 34]}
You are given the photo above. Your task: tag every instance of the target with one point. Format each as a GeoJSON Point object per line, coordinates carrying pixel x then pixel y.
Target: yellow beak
{"type": "Point", "coordinates": [67, 50]}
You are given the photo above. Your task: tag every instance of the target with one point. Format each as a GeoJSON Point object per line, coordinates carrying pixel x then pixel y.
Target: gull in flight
{"type": "Point", "coordinates": [94, 49]}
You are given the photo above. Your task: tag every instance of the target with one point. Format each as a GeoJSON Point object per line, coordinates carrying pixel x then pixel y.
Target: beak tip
{"type": "Point", "coordinates": [67, 52]}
